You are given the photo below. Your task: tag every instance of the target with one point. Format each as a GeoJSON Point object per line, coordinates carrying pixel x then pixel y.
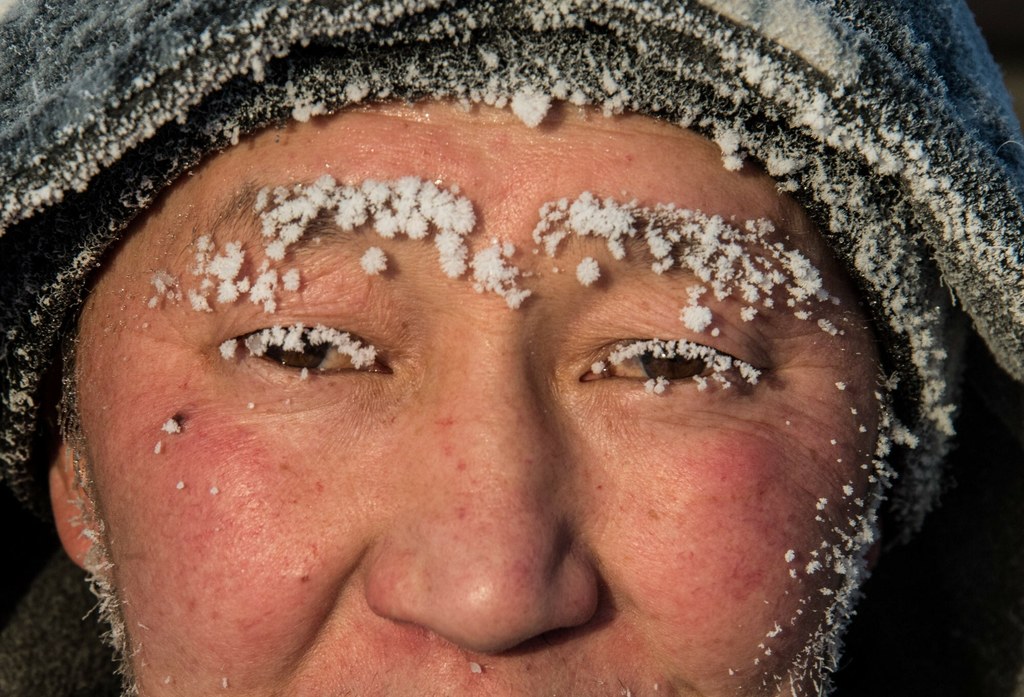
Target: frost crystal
{"type": "Point", "coordinates": [530, 106]}
{"type": "Point", "coordinates": [228, 348]}
{"type": "Point", "coordinates": [588, 271]}
{"type": "Point", "coordinates": [165, 286]}
{"type": "Point", "coordinates": [696, 318]}
{"type": "Point", "coordinates": [656, 385]}
{"type": "Point", "coordinates": [491, 273]}
{"type": "Point", "coordinates": [291, 280]}
{"type": "Point", "coordinates": [373, 261]}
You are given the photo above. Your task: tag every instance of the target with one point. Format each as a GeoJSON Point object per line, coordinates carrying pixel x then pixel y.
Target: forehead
{"type": "Point", "coordinates": [493, 158]}
{"type": "Point", "coordinates": [504, 169]}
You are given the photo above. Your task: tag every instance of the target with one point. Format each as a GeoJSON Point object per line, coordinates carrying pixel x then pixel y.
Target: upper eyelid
{"type": "Point", "coordinates": [296, 336]}
{"type": "Point", "coordinates": [719, 361]}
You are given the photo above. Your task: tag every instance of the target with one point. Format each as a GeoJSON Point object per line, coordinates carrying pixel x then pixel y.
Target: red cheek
{"type": "Point", "coordinates": [738, 505]}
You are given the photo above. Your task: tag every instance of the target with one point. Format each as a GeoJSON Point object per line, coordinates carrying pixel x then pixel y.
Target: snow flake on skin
{"type": "Point", "coordinates": [741, 262]}
{"type": "Point", "coordinates": [838, 564]}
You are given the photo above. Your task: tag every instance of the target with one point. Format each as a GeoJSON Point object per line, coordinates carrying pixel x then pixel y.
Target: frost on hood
{"type": "Point", "coordinates": [804, 27]}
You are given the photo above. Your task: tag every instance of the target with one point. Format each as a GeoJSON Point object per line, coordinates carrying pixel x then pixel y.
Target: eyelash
{"type": "Point", "coordinates": [663, 362]}
{"type": "Point", "coordinates": [327, 350]}
{"type": "Point", "coordinates": [319, 348]}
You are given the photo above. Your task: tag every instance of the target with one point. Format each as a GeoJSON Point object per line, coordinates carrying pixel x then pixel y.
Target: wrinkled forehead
{"type": "Point", "coordinates": [506, 172]}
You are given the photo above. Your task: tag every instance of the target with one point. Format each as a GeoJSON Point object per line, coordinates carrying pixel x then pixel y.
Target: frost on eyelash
{"type": "Point", "coordinates": [656, 385]}
{"type": "Point", "coordinates": [296, 337]}
{"type": "Point", "coordinates": [742, 262]}
{"type": "Point", "coordinates": [720, 364]}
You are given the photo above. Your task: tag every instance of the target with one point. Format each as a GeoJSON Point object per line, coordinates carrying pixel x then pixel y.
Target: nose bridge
{"type": "Point", "coordinates": [490, 454]}
{"type": "Point", "coordinates": [491, 408]}
{"type": "Point", "coordinates": [483, 553]}
{"type": "Point", "coordinates": [497, 425]}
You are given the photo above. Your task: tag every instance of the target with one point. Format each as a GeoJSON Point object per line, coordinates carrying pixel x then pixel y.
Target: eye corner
{"type": "Point", "coordinates": [598, 370]}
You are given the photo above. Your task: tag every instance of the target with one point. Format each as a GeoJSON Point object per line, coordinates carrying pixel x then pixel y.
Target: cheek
{"type": "Point", "coordinates": [706, 555]}
{"type": "Point", "coordinates": [211, 539]}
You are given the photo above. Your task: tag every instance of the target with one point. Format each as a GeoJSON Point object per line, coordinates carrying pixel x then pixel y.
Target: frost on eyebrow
{"type": "Point", "coordinates": [409, 207]}
{"type": "Point", "coordinates": [742, 262]}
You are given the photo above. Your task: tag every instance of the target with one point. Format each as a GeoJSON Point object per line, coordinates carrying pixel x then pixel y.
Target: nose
{"type": "Point", "coordinates": [484, 549]}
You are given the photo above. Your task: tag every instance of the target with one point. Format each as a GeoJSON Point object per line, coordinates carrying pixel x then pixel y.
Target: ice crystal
{"type": "Point", "coordinates": [373, 261]}
{"type": "Point", "coordinates": [588, 271]}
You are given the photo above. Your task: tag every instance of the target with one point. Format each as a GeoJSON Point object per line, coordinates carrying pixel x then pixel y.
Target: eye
{"type": "Point", "coordinates": [658, 364]}
{"type": "Point", "coordinates": [318, 348]}
{"type": "Point", "coordinates": [673, 361]}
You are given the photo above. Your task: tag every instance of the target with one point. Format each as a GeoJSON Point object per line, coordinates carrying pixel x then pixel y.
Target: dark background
{"type": "Point", "coordinates": [1002, 23]}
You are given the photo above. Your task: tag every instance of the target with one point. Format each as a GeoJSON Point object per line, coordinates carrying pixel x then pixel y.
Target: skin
{"type": "Point", "coordinates": [378, 533]}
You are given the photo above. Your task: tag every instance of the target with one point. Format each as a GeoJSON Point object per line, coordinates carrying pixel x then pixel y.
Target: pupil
{"type": "Point", "coordinates": [310, 358]}
{"type": "Point", "coordinates": [675, 368]}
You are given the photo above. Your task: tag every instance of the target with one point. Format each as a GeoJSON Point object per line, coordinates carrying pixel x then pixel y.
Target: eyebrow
{"type": "Point", "coordinates": [237, 211]}
{"type": "Point", "coordinates": [638, 255]}
{"type": "Point", "coordinates": [238, 214]}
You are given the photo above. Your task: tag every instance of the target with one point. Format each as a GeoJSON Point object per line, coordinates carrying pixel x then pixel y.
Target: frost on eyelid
{"type": "Point", "coordinates": [720, 369]}
{"type": "Point", "coordinates": [297, 338]}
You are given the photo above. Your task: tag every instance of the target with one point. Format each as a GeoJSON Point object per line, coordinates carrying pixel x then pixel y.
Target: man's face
{"type": "Point", "coordinates": [496, 501]}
